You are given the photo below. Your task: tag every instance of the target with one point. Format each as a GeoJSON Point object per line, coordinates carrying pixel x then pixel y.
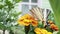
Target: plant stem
{"type": "Point", "coordinates": [4, 31]}
{"type": "Point", "coordinates": [27, 29]}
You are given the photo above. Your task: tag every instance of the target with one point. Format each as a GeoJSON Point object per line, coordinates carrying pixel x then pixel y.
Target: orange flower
{"type": "Point", "coordinates": [27, 20]}
{"type": "Point", "coordinates": [34, 22]}
{"type": "Point", "coordinates": [54, 27]}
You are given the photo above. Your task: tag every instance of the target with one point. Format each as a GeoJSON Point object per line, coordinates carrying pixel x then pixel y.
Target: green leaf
{"type": "Point", "coordinates": [1, 6]}
{"type": "Point", "coordinates": [49, 29]}
{"type": "Point", "coordinates": [55, 4]}
{"type": "Point", "coordinates": [9, 4]}
{"type": "Point", "coordinates": [17, 1]}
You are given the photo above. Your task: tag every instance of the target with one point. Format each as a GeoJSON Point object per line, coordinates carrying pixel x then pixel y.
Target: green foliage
{"type": "Point", "coordinates": [31, 30]}
{"type": "Point", "coordinates": [1, 6]}
{"type": "Point", "coordinates": [2, 26]}
{"type": "Point", "coordinates": [8, 14]}
{"type": "Point", "coordinates": [18, 29]}
{"type": "Point", "coordinates": [9, 4]}
{"type": "Point", "coordinates": [40, 24]}
{"type": "Point", "coordinates": [49, 29]}
{"type": "Point", "coordinates": [17, 1]}
{"type": "Point", "coordinates": [55, 4]}
{"type": "Point", "coordinates": [51, 16]}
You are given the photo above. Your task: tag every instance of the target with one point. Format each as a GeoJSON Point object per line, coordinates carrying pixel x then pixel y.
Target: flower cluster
{"type": "Point", "coordinates": [41, 31]}
{"type": "Point", "coordinates": [27, 20]}
{"type": "Point", "coordinates": [52, 25]}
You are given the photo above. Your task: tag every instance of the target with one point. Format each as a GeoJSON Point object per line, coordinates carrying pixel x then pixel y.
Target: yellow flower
{"type": "Point", "coordinates": [44, 31]}
{"type": "Point", "coordinates": [27, 20]}
{"type": "Point", "coordinates": [49, 33]}
{"type": "Point", "coordinates": [41, 31]}
{"type": "Point", "coordinates": [37, 30]}
{"type": "Point", "coordinates": [24, 22]}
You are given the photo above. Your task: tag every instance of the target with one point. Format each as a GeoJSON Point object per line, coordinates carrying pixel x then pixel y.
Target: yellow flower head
{"type": "Point", "coordinates": [49, 33]}
{"type": "Point", "coordinates": [41, 31]}
{"type": "Point", "coordinates": [37, 30]}
{"type": "Point", "coordinates": [27, 20]}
